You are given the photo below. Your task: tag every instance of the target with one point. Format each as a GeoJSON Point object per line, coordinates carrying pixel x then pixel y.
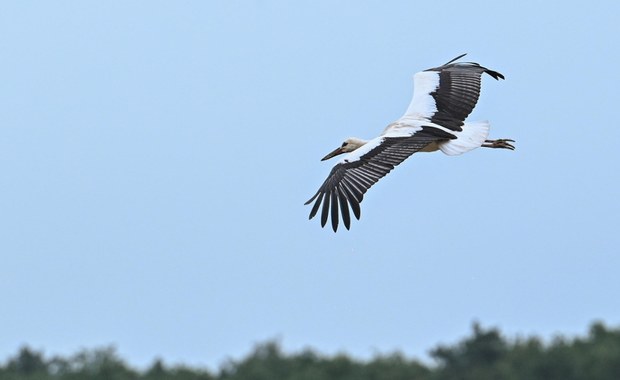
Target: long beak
{"type": "Point", "coordinates": [336, 152]}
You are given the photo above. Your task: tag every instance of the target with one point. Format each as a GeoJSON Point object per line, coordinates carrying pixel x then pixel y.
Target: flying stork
{"type": "Point", "coordinates": [443, 97]}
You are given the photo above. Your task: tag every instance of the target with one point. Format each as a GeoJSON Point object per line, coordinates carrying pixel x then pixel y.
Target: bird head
{"type": "Point", "coordinates": [349, 145]}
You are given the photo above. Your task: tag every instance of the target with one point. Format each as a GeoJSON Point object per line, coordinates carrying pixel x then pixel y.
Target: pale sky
{"type": "Point", "coordinates": [155, 157]}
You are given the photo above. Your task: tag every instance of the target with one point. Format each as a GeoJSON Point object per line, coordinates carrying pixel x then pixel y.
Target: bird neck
{"type": "Point", "coordinates": [356, 142]}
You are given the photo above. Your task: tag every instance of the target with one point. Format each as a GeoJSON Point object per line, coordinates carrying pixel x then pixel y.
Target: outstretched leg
{"type": "Point", "coordinates": [499, 143]}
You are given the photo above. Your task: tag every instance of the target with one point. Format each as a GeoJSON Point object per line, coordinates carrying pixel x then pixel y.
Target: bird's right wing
{"type": "Point", "coordinates": [447, 94]}
{"type": "Point", "coordinates": [352, 177]}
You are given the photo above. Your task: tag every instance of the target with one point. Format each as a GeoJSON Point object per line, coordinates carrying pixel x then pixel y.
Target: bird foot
{"type": "Point", "coordinates": [499, 143]}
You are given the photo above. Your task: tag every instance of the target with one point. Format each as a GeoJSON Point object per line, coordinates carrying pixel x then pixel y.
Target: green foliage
{"type": "Point", "coordinates": [487, 355]}
{"type": "Point", "coordinates": [27, 363]}
{"type": "Point", "coordinates": [484, 355]}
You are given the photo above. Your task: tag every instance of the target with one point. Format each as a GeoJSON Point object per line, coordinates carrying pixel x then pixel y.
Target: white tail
{"type": "Point", "coordinates": [471, 137]}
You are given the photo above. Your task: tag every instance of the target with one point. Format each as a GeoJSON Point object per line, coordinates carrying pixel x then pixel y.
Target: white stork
{"type": "Point", "coordinates": [435, 120]}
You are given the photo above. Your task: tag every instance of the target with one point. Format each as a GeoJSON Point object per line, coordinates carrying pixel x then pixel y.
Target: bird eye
{"type": "Point", "coordinates": [344, 144]}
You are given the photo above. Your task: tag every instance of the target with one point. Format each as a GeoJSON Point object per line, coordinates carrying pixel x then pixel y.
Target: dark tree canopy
{"type": "Point", "coordinates": [484, 355]}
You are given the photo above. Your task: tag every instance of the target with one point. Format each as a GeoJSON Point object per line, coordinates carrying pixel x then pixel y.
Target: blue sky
{"type": "Point", "coordinates": [155, 158]}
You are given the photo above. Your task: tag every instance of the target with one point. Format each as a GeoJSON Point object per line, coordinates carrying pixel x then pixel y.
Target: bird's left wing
{"type": "Point", "coordinates": [357, 172]}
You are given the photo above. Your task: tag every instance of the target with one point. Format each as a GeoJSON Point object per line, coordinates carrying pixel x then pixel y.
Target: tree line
{"type": "Point", "coordinates": [484, 355]}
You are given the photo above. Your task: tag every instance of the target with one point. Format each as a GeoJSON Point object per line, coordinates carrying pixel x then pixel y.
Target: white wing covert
{"type": "Point", "coordinates": [447, 94]}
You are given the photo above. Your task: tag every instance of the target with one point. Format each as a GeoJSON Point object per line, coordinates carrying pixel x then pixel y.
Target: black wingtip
{"type": "Point", "coordinates": [455, 59]}
{"type": "Point", "coordinates": [344, 206]}
{"type": "Point", "coordinates": [334, 209]}
{"type": "Point", "coordinates": [315, 208]}
{"type": "Point", "coordinates": [494, 74]}
{"type": "Point", "coordinates": [325, 210]}
{"type": "Point", "coordinates": [313, 198]}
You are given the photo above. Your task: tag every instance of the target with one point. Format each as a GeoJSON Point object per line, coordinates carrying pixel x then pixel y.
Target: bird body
{"type": "Point", "coordinates": [435, 120]}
